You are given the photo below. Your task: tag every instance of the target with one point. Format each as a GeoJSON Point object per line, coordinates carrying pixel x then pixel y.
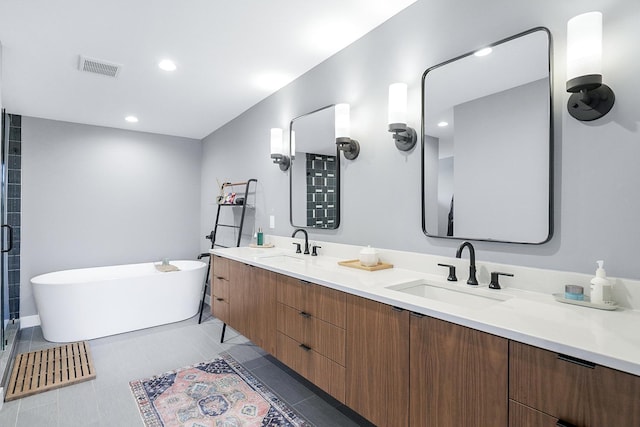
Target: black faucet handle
{"type": "Point", "coordinates": [452, 272]}
{"type": "Point", "coordinates": [314, 250]}
{"type": "Point", "coordinates": [494, 284]}
{"type": "Point", "coordinates": [298, 250]}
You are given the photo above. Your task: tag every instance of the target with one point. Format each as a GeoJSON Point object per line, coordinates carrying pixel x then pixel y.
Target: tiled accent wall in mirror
{"type": "Point", "coordinates": [321, 190]}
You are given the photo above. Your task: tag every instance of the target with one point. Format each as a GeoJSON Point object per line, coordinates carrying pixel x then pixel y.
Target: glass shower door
{"type": "Point", "coordinates": [6, 234]}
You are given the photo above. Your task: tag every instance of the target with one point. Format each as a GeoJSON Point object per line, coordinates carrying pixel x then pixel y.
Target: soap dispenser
{"type": "Point", "coordinates": [601, 289]}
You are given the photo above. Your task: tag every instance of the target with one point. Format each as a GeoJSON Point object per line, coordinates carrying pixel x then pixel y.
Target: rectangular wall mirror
{"type": "Point", "coordinates": [314, 175]}
{"type": "Point", "coordinates": [487, 143]}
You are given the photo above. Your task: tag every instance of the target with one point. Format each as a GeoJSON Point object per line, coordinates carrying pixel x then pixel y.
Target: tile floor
{"type": "Point", "coordinates": [107, 400]}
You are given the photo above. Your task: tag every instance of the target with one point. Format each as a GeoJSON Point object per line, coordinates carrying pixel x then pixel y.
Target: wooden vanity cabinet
{"type": "Point", "coordinates": [523, 416]}
{"type": "Point", "coordinates": [397, 368]}
{"type": "Point", "coordinates": [252, 304]}
{"type": "Point", "coordinates": [219, 279]}
{"type": "Point", "coordinates": [545, 387]}
{"type": "Point", "coordinates": [458, 375]}
{"type": "Point", "coordinates": [311, 332]}
{"type": "Point", "coordinates": [378, 361]}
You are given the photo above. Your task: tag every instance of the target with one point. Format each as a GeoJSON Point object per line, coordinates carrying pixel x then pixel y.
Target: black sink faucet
{"type": "Point", "coordinates": [306, 239]}
{"type": "Point", "coordinates": [472, 262]}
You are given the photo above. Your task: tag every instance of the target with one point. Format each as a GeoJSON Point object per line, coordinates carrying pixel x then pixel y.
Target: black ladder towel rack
{"type": "Point", "coordinates": [224, 203]}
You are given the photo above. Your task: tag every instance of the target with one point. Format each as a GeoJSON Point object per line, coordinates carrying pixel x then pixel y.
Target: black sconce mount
{"type": "Point", "coordinates": [350, 147]}
{"type": "Point", "coordinates": [590, 99]}
{"type": "Point", "coordinates": [404, 136]}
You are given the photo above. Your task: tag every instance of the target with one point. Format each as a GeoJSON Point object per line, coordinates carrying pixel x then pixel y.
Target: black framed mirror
{"type": "Point", "coordinates": [314, 174]}
{"type": "Point", "coordinates": [487, 141]}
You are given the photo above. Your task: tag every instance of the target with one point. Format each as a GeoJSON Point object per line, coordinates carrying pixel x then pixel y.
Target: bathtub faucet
{"type": "Point", "coordinates": [306, 239]}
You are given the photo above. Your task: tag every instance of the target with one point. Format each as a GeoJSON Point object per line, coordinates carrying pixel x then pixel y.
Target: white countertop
{"type": "Point", "coordinates": [609, 338]}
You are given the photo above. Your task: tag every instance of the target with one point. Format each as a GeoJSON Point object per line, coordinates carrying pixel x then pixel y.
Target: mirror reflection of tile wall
{"type": "Point", "coordinates": [321, 190]}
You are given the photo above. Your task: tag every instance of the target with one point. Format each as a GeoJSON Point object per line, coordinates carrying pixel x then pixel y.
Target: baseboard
{"type": "Point", "coordinates": [29, 321]}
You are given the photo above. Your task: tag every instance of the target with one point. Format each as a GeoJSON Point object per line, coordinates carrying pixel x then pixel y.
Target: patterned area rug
{"type": "Point", "coordinates": [219, 393]}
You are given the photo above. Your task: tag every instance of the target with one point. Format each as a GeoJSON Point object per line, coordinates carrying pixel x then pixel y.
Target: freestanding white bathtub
{"type": "Point", "coordinates": [95, 302]}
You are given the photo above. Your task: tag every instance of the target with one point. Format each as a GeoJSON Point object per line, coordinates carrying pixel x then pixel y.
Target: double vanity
{"type": "Point", "coordinates": [404, 346]}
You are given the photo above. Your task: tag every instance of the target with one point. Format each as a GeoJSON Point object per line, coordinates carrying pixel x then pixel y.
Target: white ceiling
{"type": "Point", "coordinates": [221, 49]}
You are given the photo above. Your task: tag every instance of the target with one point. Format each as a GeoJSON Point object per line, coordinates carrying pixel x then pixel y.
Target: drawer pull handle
{"type": "Point", "coordinates": [394, 308]}
{"type": "Point", "coordinates": [304, 282]}
{"type": "Point", "coordinates": [561, 423]}
{"type": "Point", "coordinates": [305, 314]}
{"type": "Point", "coordinates": [219, 277]}
{"type": "Point", "coordinates": [418, 315]}
{"type": "Point", "coordinates": [575, 360]}
{"type": "Point", "coordinates": [220, 299]}
{"type": "Point", "coordinates": [304, 347]}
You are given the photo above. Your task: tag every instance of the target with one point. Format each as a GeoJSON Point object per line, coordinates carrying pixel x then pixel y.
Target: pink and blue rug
{"type": "Point", "coordinates": [219, 393]}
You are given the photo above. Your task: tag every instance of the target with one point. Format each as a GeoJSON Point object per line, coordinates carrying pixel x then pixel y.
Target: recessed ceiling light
{"type": "Point", "coordinates": [443, 124]}
{"type": "Point", "coordinates": [483, 52]}
{"type": "Point", "coordinates": [167, 65]}
{"type": "Point", "coordinates": [131, 119]}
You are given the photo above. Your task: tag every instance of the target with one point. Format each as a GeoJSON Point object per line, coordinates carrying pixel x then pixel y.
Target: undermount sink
{"type": "Point", "coordinates": [468, 299]}
{"type": "Point", "coordinates": [283, 259]}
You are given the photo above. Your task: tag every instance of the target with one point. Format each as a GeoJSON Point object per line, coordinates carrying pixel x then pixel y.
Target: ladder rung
{"type": "Point", "coordinates": [231, 184]}
{"type": "Point", "coordinates": [227, 225]}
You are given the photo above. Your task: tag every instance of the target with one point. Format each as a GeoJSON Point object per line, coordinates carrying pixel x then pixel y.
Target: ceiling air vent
{"type": "Point", "coordinates": [98, 66]}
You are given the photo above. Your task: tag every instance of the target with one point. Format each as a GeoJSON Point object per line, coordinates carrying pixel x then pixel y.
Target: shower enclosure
{"type": "Point", "coordinates": [6, 235]}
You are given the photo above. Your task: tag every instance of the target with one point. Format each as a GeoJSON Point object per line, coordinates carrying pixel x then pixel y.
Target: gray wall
{"type": "Point", "coordinates": [96, 196]}
{"type": "Point", "coordinates": [596, 174]}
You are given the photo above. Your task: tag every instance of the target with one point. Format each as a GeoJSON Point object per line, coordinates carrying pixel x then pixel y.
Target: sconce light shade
{"type": "Point", "coordinates": [277, 152]}
{"type": "Point", "coordinates": [276, 141]}
{"type": "Point", "coordinates": [343, 121]}
{"type": "Point", "coordinates": [398, 103]}
{"type": "Point", "coordinates": [350, 147]}
{"type": "Point", "coordinates": [404, 136]}
{"type": "Point", "coordinates": [584, 45]}
{"type": "Point", "coordinates": [590, 99]}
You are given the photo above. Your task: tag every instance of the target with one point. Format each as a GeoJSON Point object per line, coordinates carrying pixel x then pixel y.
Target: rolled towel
{"type": "Point", "coordinates": [166, 268]}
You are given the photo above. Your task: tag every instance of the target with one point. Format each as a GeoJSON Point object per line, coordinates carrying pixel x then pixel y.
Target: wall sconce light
{"type": "Point", "coordinates": [404, 135]}
{"type": "Point", "coordinates": [278, 153]}
{"type": "Point", "coordinates": [350, 147]}
{"type": "Point", "coordinates": [590, 99]}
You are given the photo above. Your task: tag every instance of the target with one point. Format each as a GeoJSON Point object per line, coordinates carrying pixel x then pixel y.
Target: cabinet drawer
{"type": "Point", "coordinates": [327, 304]}
{"type": "Point", "coordinates": [523, 416]}
{"type": "Point", "coordinates": [290, 291]}
{"type": "Point", "coordinates": [220, 267]}
{"type": "Point", "coordinates": [327, 339]}
{"type": "Point", "coordinates": [321, 302]}
{"type": "Point", "coordinates": [220, 309]}
{"type": "Point", "coordinates": [220, 288]}
{"type": "Point", "coordinates": [578, 392]}
{"type": "Point", "coordinates": [322, 337]}
{"type": "Point", "coordinates": [290, 322]}
{"type": "Point", "coordinates": [321, 371]}
{"type": "Point", "coordinates": [541, 380]}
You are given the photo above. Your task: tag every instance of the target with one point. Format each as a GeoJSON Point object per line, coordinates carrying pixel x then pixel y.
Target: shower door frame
{"type": "Point", "coordinates": [4, 276]}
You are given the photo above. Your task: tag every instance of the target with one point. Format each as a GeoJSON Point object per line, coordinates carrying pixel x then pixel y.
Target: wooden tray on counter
{"type": "Point", "coordinates": [355, 263]}
{"type": "Point", "coordinates": [266, 245]}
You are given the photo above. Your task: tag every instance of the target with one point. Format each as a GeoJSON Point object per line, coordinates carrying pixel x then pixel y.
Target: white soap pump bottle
{"type": "Point", "coordinates": [601, 291]}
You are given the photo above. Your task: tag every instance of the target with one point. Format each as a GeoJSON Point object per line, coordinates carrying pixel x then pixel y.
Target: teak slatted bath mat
{"type": "Point", "coordinates": [51, 368]}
